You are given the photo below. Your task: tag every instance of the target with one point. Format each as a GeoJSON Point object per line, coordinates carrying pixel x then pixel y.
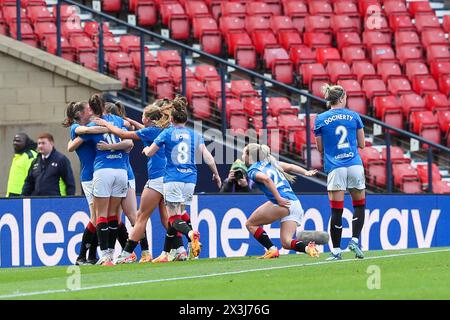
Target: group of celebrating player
{"type": "Point", "coordinates": [102, 137]}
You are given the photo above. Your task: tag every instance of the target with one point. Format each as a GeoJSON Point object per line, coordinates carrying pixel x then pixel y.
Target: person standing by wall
{"type": "Point", "coordinates": [46, 171]}
{"type": "Point", "coordinates": [24, 154]}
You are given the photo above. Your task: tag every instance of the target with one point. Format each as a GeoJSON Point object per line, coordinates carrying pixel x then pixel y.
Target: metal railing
{"type": "Point", "coordinates": [223, 65]}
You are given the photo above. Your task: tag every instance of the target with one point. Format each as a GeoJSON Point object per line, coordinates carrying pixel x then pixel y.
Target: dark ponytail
{"type": "Point", "coordinates": [73, 113]}
{"type": "Point", "coordinates": [97, 104]}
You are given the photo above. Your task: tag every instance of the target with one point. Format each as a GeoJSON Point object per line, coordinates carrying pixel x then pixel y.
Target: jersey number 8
{"type": "Point", "coordinates": [183, 153]}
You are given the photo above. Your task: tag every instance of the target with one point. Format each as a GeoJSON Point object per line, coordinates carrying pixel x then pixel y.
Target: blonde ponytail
{"type": "Point", "coordinates": [261, 152]}
{"type": "Point", "coordinates": [332, 94]}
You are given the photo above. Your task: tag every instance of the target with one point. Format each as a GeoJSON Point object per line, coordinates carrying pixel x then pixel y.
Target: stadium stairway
{"type": "Point", "coordinates": [398, 74]}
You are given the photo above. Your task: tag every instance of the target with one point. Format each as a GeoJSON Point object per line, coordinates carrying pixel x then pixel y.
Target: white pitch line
{"type": "Point", "coordinates": [123, 284]}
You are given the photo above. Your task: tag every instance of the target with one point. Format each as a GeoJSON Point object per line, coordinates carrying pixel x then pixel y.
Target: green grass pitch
{"type": "Point", "coordinates": [404, 274]}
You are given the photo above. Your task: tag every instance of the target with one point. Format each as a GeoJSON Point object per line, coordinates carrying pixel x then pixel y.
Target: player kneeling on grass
{"type": "Point", "coordinates": [273, 179]}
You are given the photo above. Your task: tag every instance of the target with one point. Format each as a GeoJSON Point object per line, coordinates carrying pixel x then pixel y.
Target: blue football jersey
{"type": "Point", "coordinates": [86, 153]}
{"type": "Point", "coordinates": [181, 145]}
{"type": "Point", "coordinates": [156, 165]}
{"type": "Point", "coordinates": [108, 159]}
{"type": "Point", "coordinates": [282, 184]}
{"type": "Point", "coordinates": [338, 129]}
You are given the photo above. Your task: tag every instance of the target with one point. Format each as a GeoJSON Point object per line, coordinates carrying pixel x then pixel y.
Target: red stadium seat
{"type": "Point", "coordinates": [240, 46]}
{"type": "Point", "coordinates": [433, 37]}
{"type": "Point", "coordinates": [67, 11]}
{"type": "Point", "coordinates": [109, 44]}
{"type": "Point", "coordinates": [231, 24]}
{"type": "Point", "coordinates": [388, 70]}
{"type": "Point", "coordinates": [437, 101]}
{"type": "Point", "coordinates": [281, 23]}
{"type": "Point", "coordinates": [439, 68]}
{"type": "Point", "coordinates": [159, 82]}
{"type": "Point", "coordinates": [380, 53]}
{"type": "Point", "coordinates": [364, 70]}
{"type": "Point", "coordinates": [444, 120]}
{"type": "Point", "coordinates": [239, 124]}
{"type": "Point", "coordinates": [252, 106]}
{"type": "Point", "coordinates": [398, 23]}
{"type": "Point", "coordinates": [234, 9]}
{"type": "Point", "coordinates": [412, 102]}
{"type": "Point", "coordinates": [438, 53]}
{"type": "Point", "coordinates": [343, 24]}
{"type": "Point", "coordinates": [425, 22]}
{"type": "Point", "coordinates": [320, 8]}
{"type": "Point", "coordinates": [446, 23]}
{"type": "Point", "coordinates": [398, 86]}
{"type": "Point", "coordinates": [236, 39]}
{"type": "Point", "coordinates": [346, 7]}
{"type": "Point", "coordinates": [317, 24]}
{"type": "Point", "coordinates": [289, 38]}
{"type": "Point", "coordinates": [370, 155]}
{"type": "Point", "coordinates": [317, 40]}
{"type": "Point", "coordinates": [111, 5]}
{"type": "Point", "coordinates": [391, 114]}
{"type": "Point", "coordinates": [67, 51]}
{"type": "Point", "coordinates": [372, 38]}
{"type": "Point", "coordinates": [422, 170]}
{"type": "Point", "coordinates": [297, 11]}
{"type": "Point", "coordinates": [407, 38]}
{"type": "Point", "coordinates": [356, 98]}
{"type": "Point", "coordinates": [271, 55]}
{"type": "Point", "coordinates": [206, 73]}
{"type": "Point", "coordinates": [324, 55]}
{"type": "Point", "coordinates": [348, 39]}
{"type": "Point", "coordinates": [263, 40]}
{"type": "Point", "coordinates": [149, 60]}
{"type": "Point", "coordinates": [402, 171]}
{"type": "Point", "coordinates": [177, 77]}
{"type": "Point", "coordinates": [146, 13]}
{"type": "Point", "coordinates": [195, 9]}
{"type": "Point", "coordinates": [179, 26]}
{"type": "Point", "coordinates": [415, 69]}
{"type": "Point", "coordinates": [377, 175]}
{"type": "Point", "coordinates": [353, 54]}
{"type": "Point", "coordinates": [301, 54]}
{"type": "Point", "coordinates": [374, 87]}
{"type": "Point", "coordinates": [411, 186]}
{"type": "Point", "coordinates": [91, 29]}
{"type": "Point", "coordinates": [211, 41]}
{"type": "Point", "coordinates": [233, 106]}
{"type": "Point", "coordinates": [71, 29]}
{"type": "Point", "coordinates": [279, 105]}
{"type": "Point", "coordinates": [257, 23]}
{"type": "Point", "coordinates": [197, 97]}
{"type": "Point", "coordinates": [419, 7]}
{"type": "Point", "coordinates": [39, 14]}
{"type": "Point", "coordinates": [385, 104]}
{"type": "Point", "coordinates": [242, 88]}
{"type": "Point", "coordinates": [441, 187]}
{"type": "Point", "coordinates": [258, 9]}
{"type": "Point", "coordinates": [409, 53]}
{"type": "Point", "coordinates": [168, 58]}
{"type": "Point", "coordinates": [311, 72]}
{"type": "Point", "coordinates": [120, 65]}
{"type": "Point", "coordinates": [421, 119]}
{"type": "Point", "coordinates": [339, 70]}
{"type": "Point", "coordinates": [214, 89]}
{"type": "Point", "coordinates": [397, 155]}
{"type": "Point", "coordinates": [395, 8]}
{"type": "Point", "coordinates": [44, 29]}
{"type": "Point", "coordinates": [129, 43]}
{"type": "Point", "coordinates": [28, 35]}
{"type": "Point", "coordinates": [169, 9]}
{"type": "Point", "coordinates": [444, 84]}
{"type": "Point", "coordinates": [425, 84]}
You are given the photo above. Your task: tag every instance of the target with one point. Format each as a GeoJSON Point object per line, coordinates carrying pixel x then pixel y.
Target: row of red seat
{"type": "Point", "coordinates": [408, 178]}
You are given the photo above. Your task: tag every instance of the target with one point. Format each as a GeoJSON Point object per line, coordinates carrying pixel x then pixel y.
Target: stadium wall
{"type": "Point", "coordinates": [35, 87]}
{"type": "Point", "coordinates": [48, 231]}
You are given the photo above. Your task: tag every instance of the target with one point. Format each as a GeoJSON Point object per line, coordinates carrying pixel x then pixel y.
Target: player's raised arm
{"type": "Point", "coordinates": [125, 145]}
{"type": "Point", "coordinates": [90, 130]}
{"type": "Point", "coordinates": [150, 151]}
{"type": "Point", "coordinates": [123, 134]}
{"type": "Point", "coordinates": [292, 168]}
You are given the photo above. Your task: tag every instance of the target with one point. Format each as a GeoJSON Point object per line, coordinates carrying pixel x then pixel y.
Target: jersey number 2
{"type": "Point", "coordinates": [342, 131]}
